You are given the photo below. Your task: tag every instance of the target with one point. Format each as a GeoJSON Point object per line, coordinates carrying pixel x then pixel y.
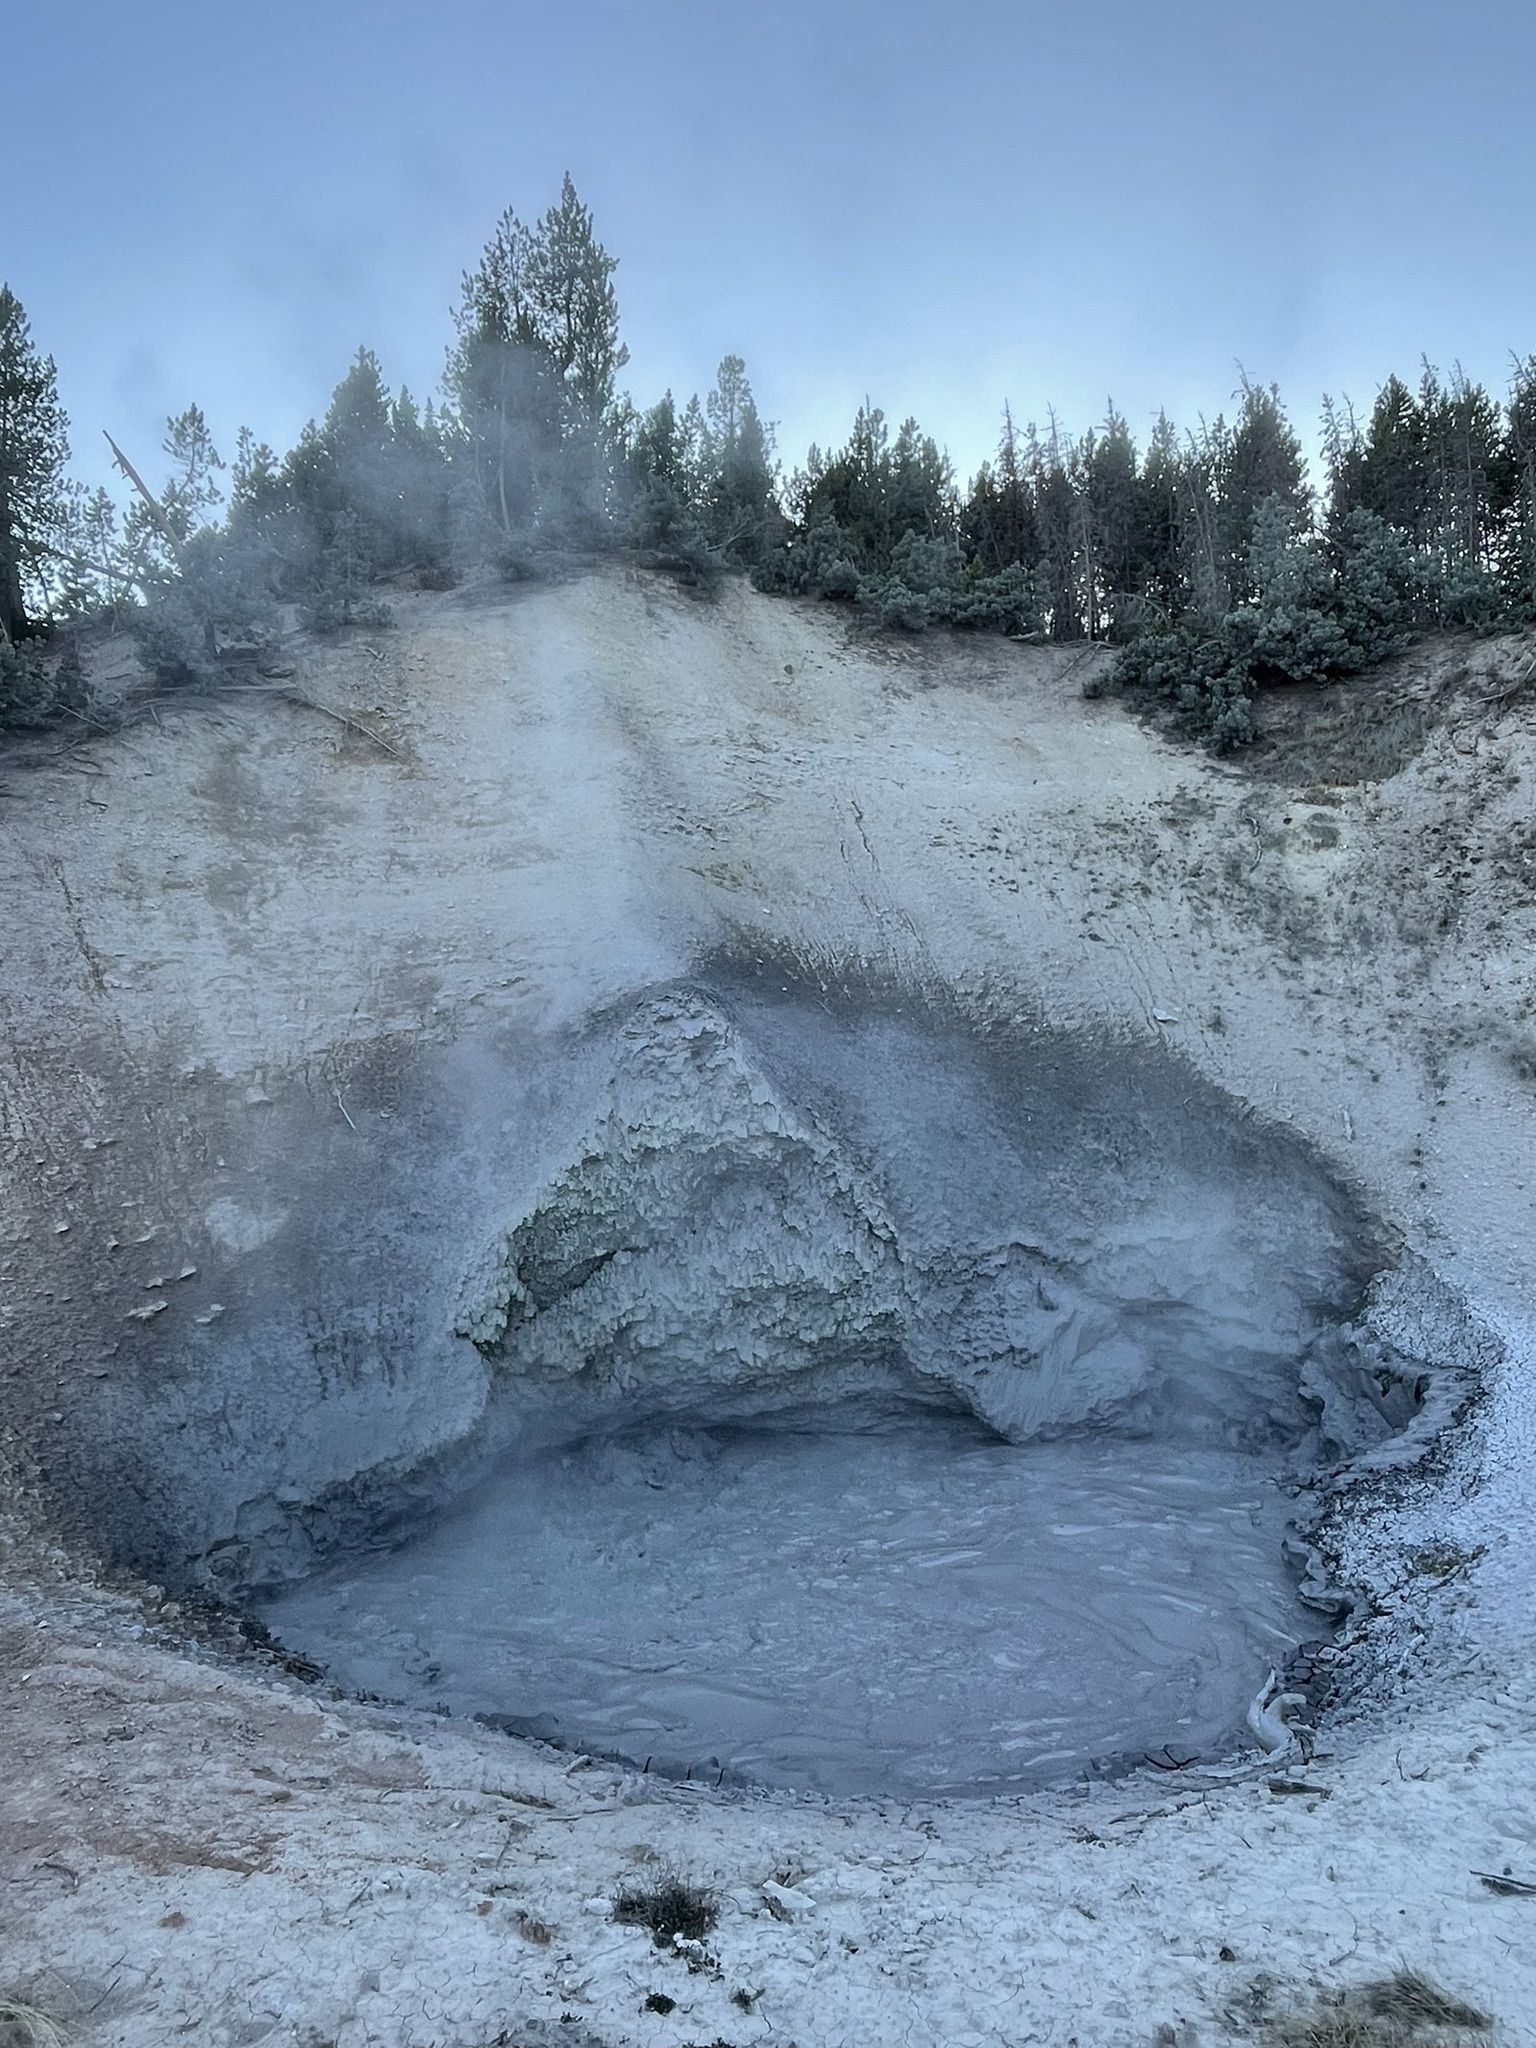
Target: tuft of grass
{"type": "Point", "coordinates": [1441, 1561]}
{"type": "Point", "coordinates": [25, 2026]}
{"type": "Point", "coordinates": [1402, 2011]}
{"type": "Point", "coordinates": [1414, 2001]}
{"type": "Point", "coordinates": [669, 1908]}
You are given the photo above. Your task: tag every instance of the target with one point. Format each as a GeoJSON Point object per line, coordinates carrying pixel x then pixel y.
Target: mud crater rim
{"type": "Point", "coordinates": [755, 1227]}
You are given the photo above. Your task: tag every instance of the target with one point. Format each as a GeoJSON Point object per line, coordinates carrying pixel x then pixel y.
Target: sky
{"type": "Point", "coordinates": [942, 208]}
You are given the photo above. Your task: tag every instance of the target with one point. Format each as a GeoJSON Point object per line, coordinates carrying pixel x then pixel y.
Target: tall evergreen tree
{"type": "Point", "coordinates": [531, 379]}
{"type": "Point", "coordinates": [1111, 486]}
{"type": "Point", "coordinates": [1056, 524]}
{"type": "Point", "coordinates": [1159, 547]}
{"type": "Point", "coordinates": [1261, 459]}
{"type": "Point", "coordinates": [1518, 545]}
{"type": "Point", "coordinates": [1205, 529]}
{"type": "Point", "coordinates": [193, 490]}
{"type": "Point", "coordinates": [97, 568]}
{"type": "Point", "coordinates": [1462, 433]}
{"type": "Point", "coordinates": [741, 467]}
{"type": "Point", "coordinates": [851, 490]}
{"type": "Point", "coordinates": [1343, 461]}
{"type": "Point", "coordinates": [575, 310]}
{"type": "Point", "coordinates": [1394, 463]}
{"type": "Point", "coordinates": [34, 448]}
{"type": "Point", "coordinates": [998, 521]}
{"type": "Point", "coordinates": [922, 486]}
{"type": "Point", "coordinates": [503, 385]}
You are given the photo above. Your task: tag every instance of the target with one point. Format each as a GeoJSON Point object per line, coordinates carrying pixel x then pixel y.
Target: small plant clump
{"type": "Point", "coordinates": [671, 1908]}
{"type": "Point", "coordinates": [24, 2026]}
{"type": "Point", "coordinates": [1443, 1560]}
{"type": "Point", "coordinates": [1402, 2011]}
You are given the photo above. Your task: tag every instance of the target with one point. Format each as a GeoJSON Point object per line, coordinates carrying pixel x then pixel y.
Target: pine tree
{"type": "Point", "coordinates": [852, 489]}
{"type": "Point", "coordinates": [1111, 484]}
{"type": "Point", "coordinates": [254, 486]}
{"type": "Point", "coordinates": [1462, 436]}
{"type": "Point", "coordinates": [998, 521]}
{"type": "Point", "coordinates": [358, 426]}
{"type": "Point", "coordinates": [34, 448]}
{"type": "Point", "coordinates": [665, 490]}
{"type": "Point", "coordinates": [417, 477]}
{"type": "Point", "coordinates": [1159, 548]}
{"type": "Point", "coordinates": [1204, 527]}
{"type": "Point", "coordinates": [1343, 460]}
{"type": "Point", "coordinates": [360, 465]}
{"type": "Point", "coordinates": [922, 486]}
{"type": "Point", "coordinates": [193, 489]}
{"type": "Point", "coordinates": [741, 509]}
{"type": "Point", "coordinates": [502, 384]}
{"type": "Point", "coordinates": [531, 379]}
{"type": "Point", "coordinates": [1394, 463]}
{"type": "Point", "coordinates": [1056, 523]}
{"type": "Point", "coordinates": [1261, 460]}
{"type": "Point", "coordinates": [575, 310]}
{"type": "Point", "coordinates": [1517, 553]}
{"type": "Point", "coordinates": [697, 448]}
{"type": "Point", "coordinates": [97, 569]}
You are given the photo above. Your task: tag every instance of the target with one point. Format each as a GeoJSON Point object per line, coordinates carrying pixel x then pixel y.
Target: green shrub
{"type": "Point", "coordinates": [28, 696]}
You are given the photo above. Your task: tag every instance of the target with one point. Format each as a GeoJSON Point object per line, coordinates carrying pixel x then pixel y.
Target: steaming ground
{"type": "Point", "coordinates": [270, 989]}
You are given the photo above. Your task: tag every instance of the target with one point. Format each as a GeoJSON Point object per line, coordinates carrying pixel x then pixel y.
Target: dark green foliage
{"type": "Point", "coordinates": [997, 523]}
{"type": "Point", "coordinates": [193, 490]}
{"type": "Point", "coordinates": [818, 562]}
{"type": "Point", "coordinates": [1114, 518]}
{"type": "Point", "coordinates": [531, 384]}
{"type": "Point", "coordinates": [932, 583]}
{"type": "Point", "coordinates": [1309, 619]}
{"type": "Point", "coordinates": [1013, 601]}
{"type": "Point", "coordinates": [1517, 543]}
{"type": "Point", "coordinates": [95, 574]}
{"type": "Point", "coordinates": [872, 493]}
{"type": "Point", "coordinates": [671, 506]}
{"type": "Point", "coordinates": [215, 610]}
{"type": "Point", "coordinates": [28, 695]}
{"type": "Point", "coordinates": [1381, 587]}
{"type": "Point", "coordinates": [173, 640]}
{"type": "Point", "coordinates": [1202, 555]}
{"type": "Point", "coordinates": [34, 448]}
{"type": "Point", "coordinates": [1058, 531]}
{"type": "Point", "coordinates": [371, 481]}
{"type": "Point", "coordinates": [918, 589]}
{"type": "Point", "coordinates": [1258, 465]}
{"type": "Point", "coordinates": [734, 458]}
{"type": "Point", "coordinates": [1200, 674]}
{"type": "Point", "coordinates": [342, 592]}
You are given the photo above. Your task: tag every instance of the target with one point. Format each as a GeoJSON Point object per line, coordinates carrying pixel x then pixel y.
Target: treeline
{"type": "Point", "coordinates": [1206, 555]}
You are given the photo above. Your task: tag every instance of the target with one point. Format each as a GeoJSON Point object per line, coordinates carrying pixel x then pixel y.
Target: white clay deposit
{"type": "Point", "coordinates": [823, 1216]}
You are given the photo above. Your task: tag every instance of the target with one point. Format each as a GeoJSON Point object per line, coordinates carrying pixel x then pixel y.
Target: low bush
{"type": "Point", "coordinates": [669, 1907]}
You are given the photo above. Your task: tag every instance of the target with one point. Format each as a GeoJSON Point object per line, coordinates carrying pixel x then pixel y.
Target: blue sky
{"type": "Point", "coordinates": [942, 207]}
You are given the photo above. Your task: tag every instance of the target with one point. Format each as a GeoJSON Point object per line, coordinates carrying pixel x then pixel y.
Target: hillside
{"type": "Point", "coordinates": [301, 998]}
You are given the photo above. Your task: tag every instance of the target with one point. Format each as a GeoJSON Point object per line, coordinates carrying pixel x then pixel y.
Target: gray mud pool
{"type": "Point", "coordinates": [912, 1608]}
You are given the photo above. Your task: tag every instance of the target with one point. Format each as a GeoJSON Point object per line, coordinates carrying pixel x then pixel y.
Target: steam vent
{"type": "Point", "coordinates": [647, 1243]}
